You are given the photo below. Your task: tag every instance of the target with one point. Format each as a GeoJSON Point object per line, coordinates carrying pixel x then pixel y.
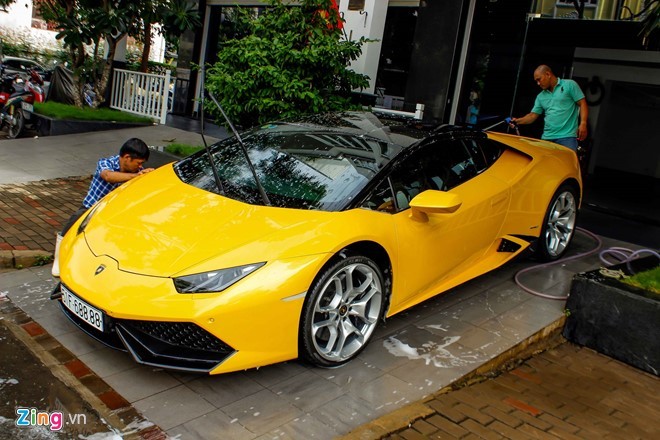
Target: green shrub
{"type": "Point", "coordinates": [647, 280]}
{"type": "Point", "coordinates": [182, 150]}
{"type": "Point", "coordinates": [292, 62]}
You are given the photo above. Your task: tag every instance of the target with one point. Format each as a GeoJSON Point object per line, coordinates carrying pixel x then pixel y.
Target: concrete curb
{"type": "Point", "coordinates": [15, 259]}
{"type": "Point", "coordinates": [402, 418]}
{"type": "Point", "coordinates": [57, 127]}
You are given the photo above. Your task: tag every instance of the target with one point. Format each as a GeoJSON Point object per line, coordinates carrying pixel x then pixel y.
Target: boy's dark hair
{"type": "Point", "coordinates": [136, 148]}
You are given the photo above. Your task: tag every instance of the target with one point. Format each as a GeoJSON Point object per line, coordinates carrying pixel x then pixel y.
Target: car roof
{"type": "Point", "coordinates": [366, 124]}
{"type": "Point", "coordinates": [22, 60]}
{"type": "Point", "coordinates": [18, 59]}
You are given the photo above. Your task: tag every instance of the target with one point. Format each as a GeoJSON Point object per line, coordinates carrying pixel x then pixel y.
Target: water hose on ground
{"type": "Point", "coordinates": [622, 255]}
{"type": "Point", "coordinates": [599, 243]}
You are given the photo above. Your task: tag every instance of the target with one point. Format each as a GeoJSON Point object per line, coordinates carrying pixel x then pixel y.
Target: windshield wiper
{"type": "Point", "coordinates": [216, 177]}
{"type": "Point", "coordinates": [264, 196]}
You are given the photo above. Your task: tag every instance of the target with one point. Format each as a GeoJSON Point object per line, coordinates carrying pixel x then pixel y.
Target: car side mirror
{"type": "Point", "coordinates": [434, 202]}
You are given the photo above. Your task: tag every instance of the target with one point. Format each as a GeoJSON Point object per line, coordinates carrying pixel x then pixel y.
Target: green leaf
{"type": "Point", "coordinates": [289, 63]}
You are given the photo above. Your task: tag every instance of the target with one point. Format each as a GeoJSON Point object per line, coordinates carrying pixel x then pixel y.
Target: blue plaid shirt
{"type": "Point", "coordinates": [99, 187]}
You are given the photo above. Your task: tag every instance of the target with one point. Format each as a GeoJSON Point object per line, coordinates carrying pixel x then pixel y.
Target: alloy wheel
{"type": "Point", "coordinates": [560, 223]}
{"type": "Point", "coordinates": [346, 311]}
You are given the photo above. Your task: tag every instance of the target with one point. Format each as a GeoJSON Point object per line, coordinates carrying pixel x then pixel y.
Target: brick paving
{"type": "Point", "coordinates": [32, 213]}
{"type": "Point", "coordinates": [568, 392]}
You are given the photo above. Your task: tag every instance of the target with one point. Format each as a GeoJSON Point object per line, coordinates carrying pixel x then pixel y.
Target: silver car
{"type": "Point", "coordinates": [15, 65]}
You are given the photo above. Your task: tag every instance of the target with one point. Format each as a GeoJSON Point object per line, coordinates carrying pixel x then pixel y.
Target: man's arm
{"type": "Point", "coordinates": [527, 119]}
{"type": "Point", "coordinates": [119, 177]}
{"type": "Point", "coordinates": [584, 114]}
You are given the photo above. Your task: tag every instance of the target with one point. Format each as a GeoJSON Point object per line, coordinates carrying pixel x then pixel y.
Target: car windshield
{"type": "Point", "coordinates": [298, 167]}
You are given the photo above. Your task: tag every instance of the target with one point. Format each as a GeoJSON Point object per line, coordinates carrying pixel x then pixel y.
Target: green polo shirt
{"type": "Point", "coordinates": [560, 109]}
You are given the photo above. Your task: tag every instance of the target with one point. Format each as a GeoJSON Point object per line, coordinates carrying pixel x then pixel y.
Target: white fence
{"type": "Point", "coordinates": [419, 112]}
{"type": "Point", "coordinates": [144, 94]}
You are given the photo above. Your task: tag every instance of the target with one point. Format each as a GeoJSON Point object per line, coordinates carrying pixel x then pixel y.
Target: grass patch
{"type": "Point", "coordinates": [182, 150]}
{"type": "Point", "coordinates": [647, 280]}
{"type": "Point", "coordinates": [57, 110]}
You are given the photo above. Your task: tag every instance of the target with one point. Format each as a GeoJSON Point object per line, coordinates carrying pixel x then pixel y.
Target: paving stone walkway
{"type": "Point", "coordinates": [568, 392]}
{"type": "Point", "coordinates": [32, 213]}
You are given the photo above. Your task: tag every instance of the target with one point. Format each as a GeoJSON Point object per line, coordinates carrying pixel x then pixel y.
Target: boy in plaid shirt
{"type": "Point", "coordinates": [110, 173]}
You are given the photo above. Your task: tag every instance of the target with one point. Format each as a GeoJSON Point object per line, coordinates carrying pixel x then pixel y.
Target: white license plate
{"type": "Point", "coordinates": [82, 310]}
{"type": "Point", "coordinates": [27, 107]}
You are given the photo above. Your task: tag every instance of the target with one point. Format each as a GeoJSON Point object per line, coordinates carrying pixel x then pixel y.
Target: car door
{"type": "Point", "coordinates": [444, 244]}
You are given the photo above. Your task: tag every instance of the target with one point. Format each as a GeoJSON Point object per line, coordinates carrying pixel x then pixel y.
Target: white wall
{"type": "Point", "coordinates": [157, 53]}
{"type": "Point", "coordinates": [17, 22]}
{"type": "Point", "coordinates": [369, 23]}
{"type": "Point", "coordinates": [19, 15]}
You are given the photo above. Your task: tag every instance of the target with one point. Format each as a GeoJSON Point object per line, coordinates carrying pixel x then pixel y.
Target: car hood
{"type": "Point", "coordinates": [157, 225]}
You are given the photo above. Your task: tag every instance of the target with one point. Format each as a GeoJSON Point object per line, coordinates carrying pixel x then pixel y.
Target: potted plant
{"type": "Point", "coordinates": [618, 316]}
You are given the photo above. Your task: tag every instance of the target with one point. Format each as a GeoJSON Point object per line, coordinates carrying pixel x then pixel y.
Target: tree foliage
{"type": "Point", "coordinates": [174, 16]}
{"type": "Point", "coordinates": [84, 23]}
{"type": "Point", "coordinates": [651, 22]}
{"type": "Point", "coordinates": [293, 61]}
{"type": "Point", "coordinates": [91, 23]}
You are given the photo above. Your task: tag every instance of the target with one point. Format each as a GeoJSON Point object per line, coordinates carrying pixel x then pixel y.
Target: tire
{"type": "Point", "coordinates": [341, 312]}
{"type": "Point", "coordinates": [16, 127]}
{"type": "Point", "coordinates": [558, 224]}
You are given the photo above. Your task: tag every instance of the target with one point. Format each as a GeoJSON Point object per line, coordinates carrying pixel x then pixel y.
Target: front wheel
{"type": "Point", "coordinates": [17, 124]}
{"type": "Point", "coordinates": [341, 312]}
{"type": "Point", "coordinates": [558, 224]}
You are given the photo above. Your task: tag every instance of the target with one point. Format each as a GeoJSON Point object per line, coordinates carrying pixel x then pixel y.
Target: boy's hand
{"type": "Point", "coordinates": [145, 171]}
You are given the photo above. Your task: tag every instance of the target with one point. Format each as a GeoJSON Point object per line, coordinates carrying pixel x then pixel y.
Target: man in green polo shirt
{"type": "Point", "coordinates": [563, 104]}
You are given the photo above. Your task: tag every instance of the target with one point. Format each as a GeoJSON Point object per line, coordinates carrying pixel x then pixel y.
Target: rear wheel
{"type": "Point", "coordinates": [558, 224]}
{"type": "Point", "coordinates": [341, 312]}
{"type": "Point", "coordinates": [17, 124]}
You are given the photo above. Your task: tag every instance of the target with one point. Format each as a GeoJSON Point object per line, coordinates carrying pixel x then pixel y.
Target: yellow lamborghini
{"type": "Point", "coordinates": [297, 241]}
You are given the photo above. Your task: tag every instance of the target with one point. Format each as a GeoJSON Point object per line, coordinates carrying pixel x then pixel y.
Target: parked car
{"type": "Point", "coordinates": [350, 222]}
{"type": "Point", "coordinates": [21, 66]}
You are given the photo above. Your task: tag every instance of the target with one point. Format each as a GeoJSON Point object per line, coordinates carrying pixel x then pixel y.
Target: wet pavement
{"type": "Point", "coordinates": [25, 383]}
{"type": "Point", "coordinates": [412, 356]}
{"type": "Point", "coordinates": [42, 398]}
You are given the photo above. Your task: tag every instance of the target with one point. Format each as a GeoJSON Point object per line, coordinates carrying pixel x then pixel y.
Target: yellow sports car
{"type": "Point", "coordinates": [302, 237]}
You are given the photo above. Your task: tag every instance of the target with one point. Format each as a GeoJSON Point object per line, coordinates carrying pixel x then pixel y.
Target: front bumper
{"type": "Point", "coordinates": [257, 318]}
{"type": "Point", "coordinates": [180, 346]}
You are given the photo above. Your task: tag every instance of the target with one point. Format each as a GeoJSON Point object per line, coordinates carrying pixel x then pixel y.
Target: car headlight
{"type": "Point", "coordinates": [214, 281]}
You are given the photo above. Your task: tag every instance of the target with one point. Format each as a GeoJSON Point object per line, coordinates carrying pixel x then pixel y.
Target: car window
{"type": "Point", "coordinates": [440, 165]}
{"type": "Point", "coordinates": [22, 65]}
{"type": "Point", "coordinates": [297, 167]}
{"type": "Point", "coordinates": [381, 198]}
{"type": "Point", "coordinates": [491, 149]}
{"type": "Point", "coordinates": [13, 63]}
{"type": "Point", "coordinates": [477, 155]}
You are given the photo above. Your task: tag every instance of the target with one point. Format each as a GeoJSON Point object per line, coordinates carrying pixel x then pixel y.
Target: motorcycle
{"type": "Point", "coordinates": [18, 111]}
{"type": "Point", "coordinates": [7, 87]}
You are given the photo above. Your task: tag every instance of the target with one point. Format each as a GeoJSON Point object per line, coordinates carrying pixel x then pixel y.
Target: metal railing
{"type": "Point", "coordinates": [144, 94]}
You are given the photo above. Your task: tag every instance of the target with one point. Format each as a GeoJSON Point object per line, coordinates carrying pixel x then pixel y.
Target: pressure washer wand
{"type": "Point", "coordinates": [508, 121]}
